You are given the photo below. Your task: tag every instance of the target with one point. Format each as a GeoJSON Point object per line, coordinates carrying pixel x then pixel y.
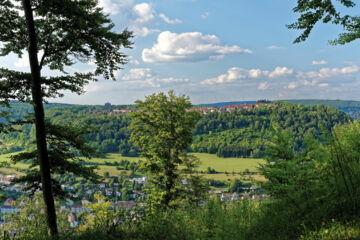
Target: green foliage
{"type": "Point", "coordinates": [237, 134]}
{"type": "Point", "coordinates": [321, 182]}
{"type": "Point", "coordinates": [236, 186]}
{"type": "Point", "coordinates": [162, 128]}
{"type": "Point", "coordinates": [351, 108]}
{"type": "Point", "coordinates": [66, 31]}
{"type": "Point", "coordinates": [312, 12]}
{"type": "Point", "coordinates": [65, 144]}
{"type": "Point", "coordinates": [334, 230]}
{"type": "Point", "coordinates": [100, 216]}
{"type": "Point", "coordinates": [30, 221]}
{"type": "Point", "coordinates": [244, 133]}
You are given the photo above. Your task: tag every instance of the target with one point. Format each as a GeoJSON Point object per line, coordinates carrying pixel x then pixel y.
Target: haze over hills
{"type": "Point", "coordinates": [221, 104]}
{"type": "Point", "coordinates": [350, 107]}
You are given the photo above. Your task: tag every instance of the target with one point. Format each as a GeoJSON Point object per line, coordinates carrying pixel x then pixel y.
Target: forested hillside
{"type": "Point", "coordinates": [351, 108]}
{"type": "Point", "coordinates": [245, 133]}
{"type": "Point", "coordinates": [241, 133]}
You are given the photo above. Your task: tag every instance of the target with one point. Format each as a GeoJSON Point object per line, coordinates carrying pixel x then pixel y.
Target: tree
{"type": "Point", "coordinates": [314, 11]}
{"type": "Point", "coordinates": [320, 182]}
{"type": "Point", "coordinates": [65, 145]}
{"type": "Point", "coordinates": [64, 31]}
{"type": "Point", "coordinates": [162, 128]}
{"type": "Point", "coordinates": [236, 186]}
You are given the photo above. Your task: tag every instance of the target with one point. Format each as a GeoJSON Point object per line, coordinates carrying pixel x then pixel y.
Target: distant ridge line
{"type": "Point", "coordinates": [221, 104]}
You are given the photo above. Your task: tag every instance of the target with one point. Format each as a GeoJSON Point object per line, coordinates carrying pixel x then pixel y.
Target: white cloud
{"type": "Point", "coordinates": [137, 17]}
{"type": "Point", "coordinates": [145, 77]}
{"type": "Point", "coordinates": [316, 78]}
{"type": "Point", "coordinates": [190, 46]}
{"type": "Point", "coordinates": [280, 72]}
{"type": "Point", "coordinates": [137, 73]}
{"type": "Point", "coordinates": [168, 20]}
{"type": "Point", "coordinates": [235, 74]}
{"type": "Point", "coordinates": [321, 62]}
{"type": "Point", "coordinates": [263, 86]}
{"type": "Point", "coordinates": [205, 15]}
{"type": "Point", "coordinates": [328, 72]}
{"type": "Point", "coordinates": [101, 86]}
{"type": "Point", "coordinates": [113, 7]}
{"type": "Point", "coordinates": [144, 13]}
{"type": "Point", "coordinates": [143, 31]}
{"type": "Point", "coordinates": [231, 75]}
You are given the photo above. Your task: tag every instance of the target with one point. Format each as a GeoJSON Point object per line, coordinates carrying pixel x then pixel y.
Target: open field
{"type": "Point", "coordinates": [228, 168]}
{"type": "Point", "coordinates": [206, 160]}
{"type": "Point", "coordinates": [226, 164]}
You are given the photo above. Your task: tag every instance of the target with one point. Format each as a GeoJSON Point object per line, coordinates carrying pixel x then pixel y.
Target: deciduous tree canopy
{"type": "Point", "coordinates": [314, 11]}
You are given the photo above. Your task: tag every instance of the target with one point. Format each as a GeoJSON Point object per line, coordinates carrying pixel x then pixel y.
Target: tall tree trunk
{"type": "Point", "coordinates": [40, 121]}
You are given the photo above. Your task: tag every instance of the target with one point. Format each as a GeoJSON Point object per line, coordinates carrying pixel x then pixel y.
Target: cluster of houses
{"type": "Point", "coordinates": [112, 112]}
{"type": "Point", "coordinates": [6, 185]}
{"type": "Point", "coordinates": [230, 108]}
{"type": "Point", "coordinates": [71, 208]}
{"type": "Point", "coordinates": [6, 179]}
{"type": "Point", "coordinates": [235, 197]}
{"type": "Point", "coordinates": [203, 110]}
{"type": "Point", "coordinates": [105, 189]}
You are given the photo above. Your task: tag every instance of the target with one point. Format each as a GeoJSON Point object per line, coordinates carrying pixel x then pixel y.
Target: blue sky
{"type": "Point", "coordinates": [217, 51]}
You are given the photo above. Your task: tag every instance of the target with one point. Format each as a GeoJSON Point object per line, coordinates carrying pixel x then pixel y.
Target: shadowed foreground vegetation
{"type": "Point", "coordinates": [215, 220]}
{"type": "Point", "coordinates": [314, 195]}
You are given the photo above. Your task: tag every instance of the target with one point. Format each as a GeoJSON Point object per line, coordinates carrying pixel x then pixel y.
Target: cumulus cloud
{"type": "Point", "coordinates": [145, 77]}
{"type": "Point", "coordinates": [168, 20]}
{"type": "Point", "coordinates": [143, 31]}
{"type": "Point", "coordinates": [328, 72]}
{"type": "Point", "coordinates": [113, 7]}
{"type": "Point", "coordinates": [190, 46]}
{"type": "Point", "coordinates": [321, 62]}
{"type": "Point", "coordinates": [317, 78]}
{"type": "Point", "coordinates": [137, 17]}
{"type": "Point", "coordinates": [137, 73]}
{"type": "Point", "coordinates": [235, 74]}
{"type": "Point", "coordinates": [144, 13]}
{"type": "Point", "coordinates": [280, 72]}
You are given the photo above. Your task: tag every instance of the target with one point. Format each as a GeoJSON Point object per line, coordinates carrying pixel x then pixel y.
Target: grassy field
{"type": "Point", "coordinates": [206, 160]}
{"type": "Point", "coordinates": [228, 168]}
{"type": "Point", "coordinates": [226, 164]}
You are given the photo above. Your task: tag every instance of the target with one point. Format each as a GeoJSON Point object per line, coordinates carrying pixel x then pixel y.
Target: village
{"type": "Point", "coordinates": [82, 196]}
{"type": "Point", "coordinates": [201, 109]}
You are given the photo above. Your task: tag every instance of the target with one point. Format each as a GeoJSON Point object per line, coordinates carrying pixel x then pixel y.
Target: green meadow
{"type": "Point", "coordinates": [227, 168]}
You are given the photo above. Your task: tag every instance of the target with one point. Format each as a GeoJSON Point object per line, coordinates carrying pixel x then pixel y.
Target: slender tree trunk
{"type": "Point", "coordinates": [40, 121]}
